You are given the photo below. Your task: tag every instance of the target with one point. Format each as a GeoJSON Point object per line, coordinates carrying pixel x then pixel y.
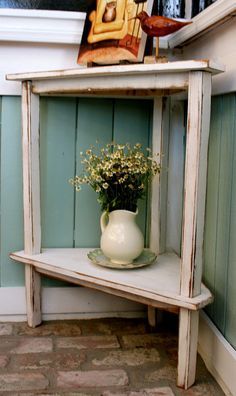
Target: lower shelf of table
{"type": "Point", "coordinates": [158, 283]}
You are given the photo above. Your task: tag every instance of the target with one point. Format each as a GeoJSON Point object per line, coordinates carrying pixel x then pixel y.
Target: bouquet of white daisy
{"type": "Point", "coordinates": [119, 173]}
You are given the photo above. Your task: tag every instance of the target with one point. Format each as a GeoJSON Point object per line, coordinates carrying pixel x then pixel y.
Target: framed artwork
{"type": "Point", "coordinates": [112, 33]}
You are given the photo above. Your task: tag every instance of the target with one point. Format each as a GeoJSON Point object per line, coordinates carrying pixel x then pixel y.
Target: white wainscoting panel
{"type": "Point", "coordinates": [67, 303]}
{"type": "Point", "coordinates": [218, 355]}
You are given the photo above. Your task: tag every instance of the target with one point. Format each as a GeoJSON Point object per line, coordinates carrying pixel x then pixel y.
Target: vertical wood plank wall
{"type": "Point", "coordinates": [11, 199]}
{"type": "Point", "coordinates": [220, 226]}
{"type": "Point", "coordinates": [68, 126]}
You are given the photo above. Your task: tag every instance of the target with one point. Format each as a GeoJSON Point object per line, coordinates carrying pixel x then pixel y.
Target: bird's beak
{"type": "Point", "coordinates": [130, 19]}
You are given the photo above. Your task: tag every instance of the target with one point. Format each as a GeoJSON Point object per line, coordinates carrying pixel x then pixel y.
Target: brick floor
{"type": "Point", "coordinates": [105, 357]}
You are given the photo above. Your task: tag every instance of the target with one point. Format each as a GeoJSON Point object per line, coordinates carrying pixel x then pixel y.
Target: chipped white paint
{"type": "Point", "coordinates": [198, 122]}
{"type": "Point", "coordinates": [155, 219]}
{"type": "Point", "coordinates": [31, 198]}
{"type": "Point", "coordinates": [31, 180]}
{"type": "Point", "coordinates": [122, 70]}
{"type": "Point", "coordinates": [33, 296]}
{"type": "Point", "coordinates": [187, 351]}
{"type": "Point", "coordinates": [218, 44]}
{"type": "Point", "coordinates": [158, 284]}
{"type": "Point", "coordinates": [151, 316]}
{"type": "Point", "coordinates": [160, 141]}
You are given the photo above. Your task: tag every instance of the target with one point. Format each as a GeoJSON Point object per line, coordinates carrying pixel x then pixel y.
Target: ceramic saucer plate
{"type": "Point", "coordinates": [146, 257]}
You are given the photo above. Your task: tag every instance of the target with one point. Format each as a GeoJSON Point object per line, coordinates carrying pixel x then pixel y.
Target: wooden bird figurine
{"type": "Point", "coordinates": [159, 26]}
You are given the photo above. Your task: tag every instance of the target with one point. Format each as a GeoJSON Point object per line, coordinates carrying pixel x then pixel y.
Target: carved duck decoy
{"type": "Point", "coordinates": [159, 26]}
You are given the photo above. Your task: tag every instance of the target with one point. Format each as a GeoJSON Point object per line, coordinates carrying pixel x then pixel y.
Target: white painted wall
{"type": "Point", "coordinates": [67, 303]}
{"type": "Point", "coordinates": [21, 57]}
{"type": "Point", "coordinates": [37, 40]}
{"type": "Point", "coordinates": [218, 44]}
{"type": "Point", "coordinates": [218, 355]}
{"type": "Point", "coordinates": [211, 36]}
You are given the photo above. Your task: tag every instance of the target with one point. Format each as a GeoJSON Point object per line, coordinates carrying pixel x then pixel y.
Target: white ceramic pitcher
{"type": "Point", "coordinates": [121, 240]}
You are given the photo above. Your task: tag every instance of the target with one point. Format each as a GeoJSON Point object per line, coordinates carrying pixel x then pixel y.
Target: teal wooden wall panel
{"type": "Point", "coordinates": [212, 199]}
{"type": "Point", "coordinates": [219, 247]}
{"type": "Point", "coordinates": [57, 162]}
{"type": "Point", "coordinates": [224, 209]}
{"type": "Point", "coordinates": [12, 274]}
{"type": "Point", "coordinates": [230, 315]}
{"type": "Point", "coordinates": [103, 121]}
{"type": "Point", "coordinates": [94, 124]}
{"type": "Point", "coordinates": [132, 125]}
{"type": "Point", "coordinates": [57, 154]}
{"type": "Point", "coordinates": [67, 126]}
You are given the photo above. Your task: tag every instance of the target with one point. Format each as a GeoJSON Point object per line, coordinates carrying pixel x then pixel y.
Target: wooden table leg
{"type": "Point", "coordinates": [198, 121]}
{"type": "Point", "coordinates": [33, 296]}
{"type": "Point", "coordinates": [187, 352]}
{"type": "Point", "coordinates": [151, 316]}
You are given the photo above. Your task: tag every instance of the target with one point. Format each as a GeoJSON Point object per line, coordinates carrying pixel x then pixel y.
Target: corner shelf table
{"type": "Point", "coordinates": [171, 282]}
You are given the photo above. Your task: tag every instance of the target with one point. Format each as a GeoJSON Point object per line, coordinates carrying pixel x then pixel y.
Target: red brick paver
{"type": "Point", "coordinates": [134, 357]}
{"type": "Point", "coordinates": [93, 378]}
{"type": "Point", "coordinates": [33, 345]}
{"type": "Point", "coordinates": [6, 329]}
{"type": "Point", "coordinates": [163, 391]}
{"type": "Point", "coordinates": [105, 357]}
{"type": "Point", "coordinates": [88, 342]}
{"type": "Point", "coordinates": [26, 381]}
{"type": "Point", "coordinates": [3, 361]}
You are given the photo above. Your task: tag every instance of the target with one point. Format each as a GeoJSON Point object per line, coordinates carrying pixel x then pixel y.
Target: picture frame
{"type": "Point", "coordinates": [112, 33]}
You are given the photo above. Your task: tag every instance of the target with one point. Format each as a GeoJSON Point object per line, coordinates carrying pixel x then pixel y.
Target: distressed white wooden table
{"type": "Point", "coordinates": [171, 282]}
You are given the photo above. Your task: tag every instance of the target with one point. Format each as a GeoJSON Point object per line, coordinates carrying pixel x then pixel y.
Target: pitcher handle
{"type": "Point", "coordinates": [103, 221]}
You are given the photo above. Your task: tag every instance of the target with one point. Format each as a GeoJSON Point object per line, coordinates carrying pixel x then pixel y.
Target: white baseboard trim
{"type": "Point", "coordinates": [67, 303]}
{"type": "Point", "coordinates": [218, 355]}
